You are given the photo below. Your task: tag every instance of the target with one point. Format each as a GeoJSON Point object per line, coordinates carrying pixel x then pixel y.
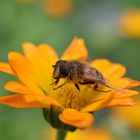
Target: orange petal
{"type": "Point", "coordinates": [43, 52]}
{"type": "Point", "coordinates": [25, 71]}
{"type": "Point", "coordinates": [101, 64]}
{"type": "Point", "coordinates": [128, 83]}
{"type": "Point", "coordinates": [4, 67]}
{"type": "Point", "coordinates": [17, 87]}
{"type": "Point", "coordinates": [96, 105]}
{"type": "Point", "coordinates": [47, 53]}
{"type": "Point", "coordinates": [43, 67]}
{"type": "Point", "coordinates": [76, 50]}
{"type": "Point", "coordinates": [30, 51]}
{"type": "Point", "coordinates": [121, 102]}
{"type": "Point", "coordinates": [108, 69]}
{"type": "Point", "coordinates": [32, 54]}
{"type": "Point", "coordinates": [28, 101]}
{"type": "Point", "coordinates": [76, 118]}
{"type": "Point", "coordinates": [115, 71]}
{"type": "Point", "coordinates": [128, 93]}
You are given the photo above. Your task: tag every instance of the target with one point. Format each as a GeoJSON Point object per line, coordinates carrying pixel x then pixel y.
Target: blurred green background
{"type": "Point", "coordinates": [94, 20]}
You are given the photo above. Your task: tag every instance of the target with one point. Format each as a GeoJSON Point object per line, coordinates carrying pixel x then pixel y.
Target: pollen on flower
{"type": "Point", "coordinates": [69, 97]}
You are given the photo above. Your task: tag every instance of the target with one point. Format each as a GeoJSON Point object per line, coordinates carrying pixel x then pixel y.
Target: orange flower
{"type": "Point", "coordinates": [65, 105]}
{"type": "Point", "coordinates": [54, 8]}
{"type": "Point", "coordinates": [130, 23]}
{"type": "Point", "coordinates": [129, 115]}
{"type": "Point", "coordinates": [57, 8]}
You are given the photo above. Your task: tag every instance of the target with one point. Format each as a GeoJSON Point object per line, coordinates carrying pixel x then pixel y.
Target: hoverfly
{"type": "Point", "coordinates": [80, 74]}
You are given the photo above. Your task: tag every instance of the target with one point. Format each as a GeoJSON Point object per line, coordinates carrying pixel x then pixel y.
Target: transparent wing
{"type": "Point", "coordinates": [93, 75]}
{"type": "Point", "coordinates": [104, 82]}
{"type": "Point", "coordinates": [114, 86]}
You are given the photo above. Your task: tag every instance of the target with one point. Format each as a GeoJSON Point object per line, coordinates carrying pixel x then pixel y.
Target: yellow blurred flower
{"type": "Point", "coordinates": [130, 115]}
{"type": "Point", "coordinates": [57, 8]}
{"type": "Point", "coordinates": [65, 105]}
{"type": "Point", "coordinates": [130, 23]}
{"type": "Point", "coordinates": [88, 134]}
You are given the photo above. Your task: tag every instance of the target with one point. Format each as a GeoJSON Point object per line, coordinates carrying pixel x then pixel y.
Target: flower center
{"type": "Point", "coordinates": [73, 101]}
{"type": "Point", "coordinates": [69, 97]}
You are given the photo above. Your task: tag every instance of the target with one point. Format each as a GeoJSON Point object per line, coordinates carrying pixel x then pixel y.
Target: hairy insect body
{"type": "Point", "coordinates": [75, 71]}
{"type": "Point", "coordinates": [79, 73]}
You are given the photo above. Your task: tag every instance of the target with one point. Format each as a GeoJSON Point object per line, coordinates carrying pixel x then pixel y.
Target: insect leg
{"type": "Point", "coordinates": [96, 88]}
{"type": "Point", "coordinates": [55, 82]}
{"type": "Point", "coordinates": [77, 86]}
{"type": "Point", "coordinates": [87, 82]}
{"type": "Point", "coordinates": [59, 86]}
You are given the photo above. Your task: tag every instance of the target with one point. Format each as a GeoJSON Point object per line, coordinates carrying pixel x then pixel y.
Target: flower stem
{"type": "Point", "coordinates": [61, 134]}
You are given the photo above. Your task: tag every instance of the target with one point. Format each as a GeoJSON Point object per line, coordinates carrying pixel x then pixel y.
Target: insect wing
{"type": "Point", "coordinates": [93, 76]}
{"type": "Point", "coordinates": [114, 86]}
{"type": "Point", "coordinates": [90, 74]}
